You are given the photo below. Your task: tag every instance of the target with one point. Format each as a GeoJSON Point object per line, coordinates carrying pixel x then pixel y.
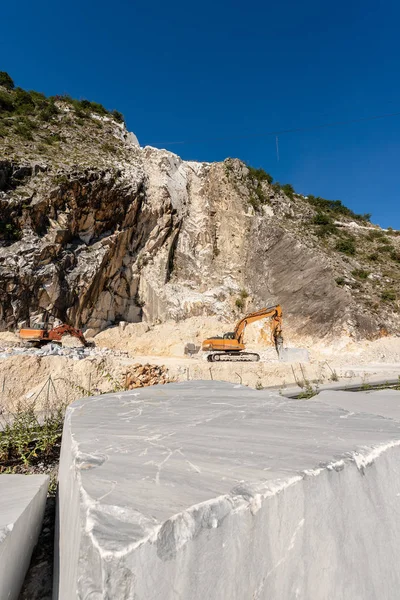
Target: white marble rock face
{"type": "Point", "coordinates": [22, 504]}
{"type": "Point", "coordinates": [208, 490]}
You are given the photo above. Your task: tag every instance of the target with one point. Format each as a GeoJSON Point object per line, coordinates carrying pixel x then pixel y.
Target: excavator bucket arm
{"type": "Point", "coordinates": [272, 311]}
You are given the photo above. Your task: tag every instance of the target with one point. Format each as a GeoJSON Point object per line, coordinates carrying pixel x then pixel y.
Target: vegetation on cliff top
{"type": "Point", "coordinates": [59, 128]}
{"type": "Point", "coordinates": [17, 101]}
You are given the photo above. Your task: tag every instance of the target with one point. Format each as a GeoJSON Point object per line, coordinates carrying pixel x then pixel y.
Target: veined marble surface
{"type": "Point", "coordinates": [212, 490]}
{"type": "Point", "coordinates": [22, 504]}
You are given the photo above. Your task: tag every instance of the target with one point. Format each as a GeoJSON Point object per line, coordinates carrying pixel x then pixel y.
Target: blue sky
{"type": "Point", "coordinates": [195, 72]}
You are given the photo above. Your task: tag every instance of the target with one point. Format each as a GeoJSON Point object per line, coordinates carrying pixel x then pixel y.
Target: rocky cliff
{"type": "Point", "coordinates": [95, 229]}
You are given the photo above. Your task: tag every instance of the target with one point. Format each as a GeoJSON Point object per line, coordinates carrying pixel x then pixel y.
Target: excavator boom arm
{"type": "Point", "coordinates": [59, 331]}
{"type": "Point", "coordinates": [272, 311]}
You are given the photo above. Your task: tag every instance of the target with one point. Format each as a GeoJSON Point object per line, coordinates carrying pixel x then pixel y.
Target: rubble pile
{"type": "Point", "coordinates": [145, 375]}
{"type": "Point", "coordinates": [57, 350]}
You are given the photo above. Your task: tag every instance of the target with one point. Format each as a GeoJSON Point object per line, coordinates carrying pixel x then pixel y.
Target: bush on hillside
{"type": "Point", "coordinates": [360, 273]}
{"type": "Point", "coordinates": [260, 175]}
{"type": "Point", "coordinates": [327, 229]}
{"type": "Point", "coordinates": [6, 102]}
{"type": "Point", "coordinates": [395, 255]}
{"type": "Point", "coordinates": [118, 116]}
{"type": "Point", "coordinates": [388, 295]}
{"type": "Point", "coordinates": [288, 190]}
{"type": "Point", "coordinates": [376, 234]}
{"type": "Point", "coordinates": [321, 218]}
{"type": "Point", "coordinates": [336, 207]}
{"type": "Point", "coordinates": [23, 102]}
{"type": "Point", "coordinates": [386, 248]}
{"type": "Point", "coordinates": [49, 111]}
{"type": "Point", "coordinates": [254, 202]}
{"type": "Point", "coordinates": [346, 246]}
{"type": "Point", "coordinates": [6, 81]}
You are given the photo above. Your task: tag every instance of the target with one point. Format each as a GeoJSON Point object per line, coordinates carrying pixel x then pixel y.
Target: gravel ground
{"type": "Point", "coordinates": [38, 584]}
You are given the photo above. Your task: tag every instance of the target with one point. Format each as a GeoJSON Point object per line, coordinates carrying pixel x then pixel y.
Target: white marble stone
{"type": "Point", "coordinates": [22, 504]}
{"type": "Point", "coordinates": [213, 491]}
{"type": "Point", "coordinates": [379, 402]}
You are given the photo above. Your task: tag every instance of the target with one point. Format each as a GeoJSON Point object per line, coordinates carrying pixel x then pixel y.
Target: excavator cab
{"type": "Point", "coordinates": [41, 326]}
{"type": "Point", "coordinates": [229, 336]}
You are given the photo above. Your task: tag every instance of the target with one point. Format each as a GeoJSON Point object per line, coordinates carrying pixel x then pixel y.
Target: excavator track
{"type": "Point", "coordinates": [233, 357]}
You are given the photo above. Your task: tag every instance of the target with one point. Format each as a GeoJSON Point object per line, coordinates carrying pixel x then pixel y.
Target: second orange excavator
{"type": "Point", "coordinates": [42, 333]}
{"type": "Point", "coordinates": [230, 347]}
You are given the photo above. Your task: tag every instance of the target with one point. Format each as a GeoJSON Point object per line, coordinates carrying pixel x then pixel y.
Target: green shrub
{"type": "Point", "coordinates": [340, 281]}
{"type": "Point", "coordinates": [324, 230]}
{"type": "Point", "coordinates": [6, 81]}
{"type": "Point", "coordinates": [374, 257]}
{"type": "Point", "coordinates": [89, 106]}
{"type": "Point", "coordinates": [259, 174]}
{"type": "Point", "coordinates": [254, 202]}
{"type": "Point", "coordinates": [260, 194]}
{"type": "Point", "coordinates": [53, 138]}
{"type": "Point", "coordinates": [386, 248]}
{"type": "Point", "coordinates": [395, 255]}
{"type": "Point", "coordinates": [376, 234]}
{"type": "Point", "coordinates": [334, 206]}
{"type": "Point", "coordinates": [346, 246]}
{"type": "Point", "coordinates": [27, 439]}
{"type": "Point", "coordinates": [106, 147]}
{"type": "Point", "coordinates": [288, 190]}
{"type": "Point", "coordinates": [38, 98]}
{"type": "Point", "coordinates": [360, 273]}
{"type": "Point", "coordinates": [23, 102]}
{"type": "Point", "coordinates": [388, 295]}
{"type": "Point", "coordinates": [308, 391]}
{"type": "Point", "coordinates": [276, 187]}
{"type": "Point", "coordinates": [244, 294]}
{"type": "Point", "coordinates": [24, 130]}
{"type": "Point", "coordinates": [118, 116]}
{"type": "Point", "coordinates": [6, 102]}
{"type": "Point", "coordinates": [239, 303]}
{"type": "Point", "coordinates": [322, 219]}
{"type": "Point", "coordinates": [9, 232]}
{"type": "Point", "coordinates": [49, 111]}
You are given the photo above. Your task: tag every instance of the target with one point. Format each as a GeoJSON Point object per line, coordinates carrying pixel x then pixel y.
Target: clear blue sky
{"type": "Point", "coordinates": [180, 70]}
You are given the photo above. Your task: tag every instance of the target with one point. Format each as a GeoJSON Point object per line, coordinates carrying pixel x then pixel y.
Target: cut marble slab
{"type": "Point", "coordinates": [212, 490]}
{"type": "Point", "coordinates": [378, 402]}
{"type": "Point", "coordinates": [22, 504]}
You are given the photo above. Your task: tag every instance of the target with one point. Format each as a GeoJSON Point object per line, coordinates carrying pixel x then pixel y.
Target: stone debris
{"type": "Point", "coordinates": [145, 375]}
{"type": "Point", "coordinates": [57, 350]}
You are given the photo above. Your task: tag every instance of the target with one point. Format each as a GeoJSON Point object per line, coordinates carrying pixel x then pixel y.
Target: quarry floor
{"type": "Point", "coordinates": [32, 376]}
{"type": "Point", "coordinates": [107, 365]}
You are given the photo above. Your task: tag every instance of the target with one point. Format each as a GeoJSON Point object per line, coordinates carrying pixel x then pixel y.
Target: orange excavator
{"type": "Point", "coordinates": [230, 347]}
{"type": "Point", "coordinates": [42, 333]}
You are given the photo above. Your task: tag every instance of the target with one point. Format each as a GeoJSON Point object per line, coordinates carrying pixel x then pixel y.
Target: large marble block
{"type": "Point", "coordinates": [379, 402]}
{"type": "Point", "coordinates": [208, 490]}
{"type": "Point", "coordinates": [22, 504]}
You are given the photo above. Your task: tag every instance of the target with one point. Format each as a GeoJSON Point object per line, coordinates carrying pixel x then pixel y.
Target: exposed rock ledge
{"type": "Point", "coordinates": [209, 490]}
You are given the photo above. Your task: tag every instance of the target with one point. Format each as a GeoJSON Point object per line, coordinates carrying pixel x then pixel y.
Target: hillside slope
{"type": "Point", "coordinates": [95, 230]}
